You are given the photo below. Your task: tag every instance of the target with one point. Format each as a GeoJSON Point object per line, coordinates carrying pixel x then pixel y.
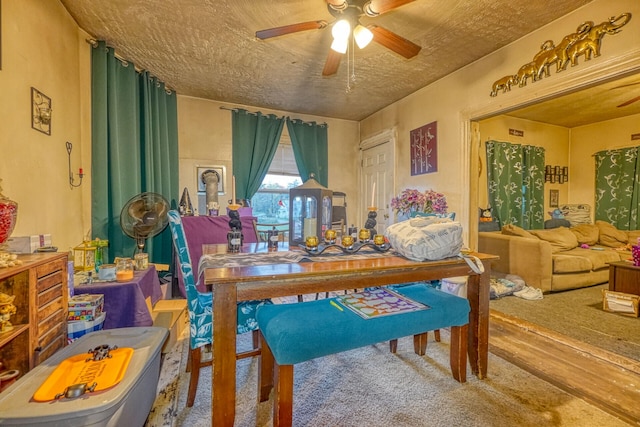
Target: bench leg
{"type": "Point", "coordinates": [265, 370]}
{"type": "Point", "coordinates": [420, 343]}
{"type": "Point", "coordinates": [458, 352]}
{"type": "Point", "coordinates": [436, 334]}
{"type": "Point", "coordinates": [393, 346]}
{"type": "Point", "coordinates": [283, 396]}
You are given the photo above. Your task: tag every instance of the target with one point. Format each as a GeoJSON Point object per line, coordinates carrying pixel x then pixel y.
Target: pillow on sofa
{"type": "Point", "coordinates": [514, 230]}
{"type": "Point", "coordinates": [561, 239]}
{"type": "Point", "coordinates": [586, 233]}
{"type": "Point", "coordinates": [610, 235]}
{"type": "Point", "coordinates": [633, 236]}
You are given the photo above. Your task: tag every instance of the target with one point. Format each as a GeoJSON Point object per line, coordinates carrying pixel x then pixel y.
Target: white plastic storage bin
{"type": "Point", "coordinates": [455, 286]}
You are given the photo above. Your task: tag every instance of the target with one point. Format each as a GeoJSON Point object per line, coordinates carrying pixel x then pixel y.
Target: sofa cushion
{"type": "Point", "coordinates": [598, 258]}
{"type": "Point", "coordinates": [570, 263]}
{"type": "Point", "coordinates": [611, 236]}
{"type": "Point", "coordinates": [561, 239]}
{"type": "Point", "coordinates": [586, 234]}
{"type": "Point", "coordinates": [514, 230]}
{"type": "Point", "coordinates": [633, 236]}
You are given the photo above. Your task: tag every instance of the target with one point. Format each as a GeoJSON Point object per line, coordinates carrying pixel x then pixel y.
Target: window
{"type": "Point", "coordinates": [271, 203]}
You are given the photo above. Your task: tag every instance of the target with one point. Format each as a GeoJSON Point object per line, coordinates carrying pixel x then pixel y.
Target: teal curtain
{"type": "Point", "coordinates": [618, 187]}
{"type": "Point", "coordinates": [134, 149]}
{"type": "Point", "coordinates": [255, 139]}
{"type": "Point", "coordinates": [515, 176]}
{"type": "Point", "coordinates": [310, 149]}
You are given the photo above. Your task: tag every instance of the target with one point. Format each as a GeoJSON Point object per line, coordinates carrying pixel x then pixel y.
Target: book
{"type": "Point", "coordinates": [376, 302]}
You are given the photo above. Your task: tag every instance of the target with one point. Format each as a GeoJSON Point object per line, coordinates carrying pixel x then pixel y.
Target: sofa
{"type": "Point", "coordinates": [561, 258]}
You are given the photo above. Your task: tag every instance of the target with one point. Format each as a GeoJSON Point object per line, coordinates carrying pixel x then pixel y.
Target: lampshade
{"type": "Point", "coordinates": [363, 36]}
{"type": "Point", "coordinates": [341, 30]}
{"type": "Point", "coordinates": [340, 45]}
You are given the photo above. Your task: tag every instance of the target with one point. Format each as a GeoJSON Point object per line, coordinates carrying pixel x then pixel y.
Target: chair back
{"type": "Point", "coordinates": [199, 304]}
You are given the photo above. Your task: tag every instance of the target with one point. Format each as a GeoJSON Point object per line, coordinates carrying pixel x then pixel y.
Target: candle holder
{"type": "Point", "coordinates": [235, 239]}
{"type": "Point", "coordinates": [370, 223]}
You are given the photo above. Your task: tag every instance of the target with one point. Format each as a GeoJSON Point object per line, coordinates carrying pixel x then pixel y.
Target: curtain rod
{"type": "Point", "coordinates": [94, 44]}
{"type": "Point", "coordinates": [222, 107]}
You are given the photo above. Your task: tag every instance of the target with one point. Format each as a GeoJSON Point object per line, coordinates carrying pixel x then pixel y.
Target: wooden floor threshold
{"type": "Point", "coordinates": [604, 379]}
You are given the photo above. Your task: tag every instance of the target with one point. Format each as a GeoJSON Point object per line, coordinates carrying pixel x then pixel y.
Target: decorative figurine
{"type": "Point", "coordinates": [6, 310]}
{"type": "Point", "coordinates": [370, 224]}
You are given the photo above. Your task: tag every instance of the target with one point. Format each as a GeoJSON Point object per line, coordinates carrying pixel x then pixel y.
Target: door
{"type": "Point", "coordinates": [377, 183]}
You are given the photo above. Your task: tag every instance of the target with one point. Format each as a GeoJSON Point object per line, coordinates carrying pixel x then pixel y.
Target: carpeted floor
{"type": "Point", "coordinates": [370, 386]}
{"type": "Point", "coordinates": [578, 313]}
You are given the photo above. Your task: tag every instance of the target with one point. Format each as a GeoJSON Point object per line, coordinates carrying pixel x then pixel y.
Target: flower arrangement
{"type": "Point", "coordinates": [411, 200]}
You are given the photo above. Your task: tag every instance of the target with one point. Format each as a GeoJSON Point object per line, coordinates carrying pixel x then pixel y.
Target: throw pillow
{"type": "Point", "coordinates": [633, 236]}
{"type": "Point", "coordinates": [587, 234]}
{"type": "Point", "coordinates": [514, 230]}
{"type": "Point", "coordinates": [610, 235]}
{"type": "Point", "coordinates": [561, 239]}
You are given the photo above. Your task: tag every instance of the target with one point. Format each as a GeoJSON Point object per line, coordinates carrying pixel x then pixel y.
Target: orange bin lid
{"type": "Point", "coordinates": [77, 370]}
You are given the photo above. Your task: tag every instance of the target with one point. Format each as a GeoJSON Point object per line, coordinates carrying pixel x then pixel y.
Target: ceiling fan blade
{"type": "Point", "coordinates": [631, 101]}
{"type": "Point", "coordinates": [378, 7]}
{"type": "Point", "coordinates": [392, 41]}
{"type": "Point", "coordinates": [288, 29]}
{"type": "Point", "coordinates": [332, 63]}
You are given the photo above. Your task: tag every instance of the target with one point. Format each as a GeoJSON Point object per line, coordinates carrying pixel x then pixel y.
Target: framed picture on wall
{"type": "Point", "coordinates": [553, 198]}
{"type": "Point", "coordinates": [424, 149]}
{"type": "Point", "coordinates": [222, 177]}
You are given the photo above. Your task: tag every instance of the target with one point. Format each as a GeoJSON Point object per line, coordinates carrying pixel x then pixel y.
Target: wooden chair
{"type": "Point", "coordinates": [200, 307]}
{"type": "Point", "coordinates": [262, 229]}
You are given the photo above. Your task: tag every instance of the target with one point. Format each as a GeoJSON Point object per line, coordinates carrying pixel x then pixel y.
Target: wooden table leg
{"type": "Point", "coordinates": [223, 382]}
{"type": "Point", "coordinates": [478, 334]}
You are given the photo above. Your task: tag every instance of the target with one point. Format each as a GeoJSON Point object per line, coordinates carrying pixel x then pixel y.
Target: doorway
{"type": "Point", "coordinates": [376, 178]}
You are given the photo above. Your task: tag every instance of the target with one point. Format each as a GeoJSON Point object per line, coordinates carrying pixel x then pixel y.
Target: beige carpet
{"type": "Point", "coordinates": [371, 387]}
{"type": "Point", "coordinates": [578, 313]}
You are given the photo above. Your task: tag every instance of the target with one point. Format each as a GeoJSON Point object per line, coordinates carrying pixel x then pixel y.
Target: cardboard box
{"type": "Point", "coordinates": [81, 327]}
{"type": "Point", "coordinates": [171, 314]}
{"type": "Point", "coordinates": [28, 244]}
{"type": "Point", "coordinates": [619, 302]}
{"type": "Point", "coordinates": [85, 307]}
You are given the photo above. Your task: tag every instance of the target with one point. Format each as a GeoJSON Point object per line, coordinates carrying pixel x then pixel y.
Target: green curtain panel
{"type": "Point", "coordinates": [255, 139]}
{"type": "Point", "coordinates": [310, 149]}
{"type": "Point", "coordinates": [618, 187]}
{"type": "Point", "coordinates": [515, 176]}
{"type": "Point", "coordinates": [134, 149]}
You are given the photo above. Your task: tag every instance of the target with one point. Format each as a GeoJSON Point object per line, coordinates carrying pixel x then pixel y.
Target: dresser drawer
{"type": "Point", "coordinates": [49, 309]}
{"type": "Point", "coordinates": [45, 297]}
{"type": "Point", "coordinates": [49, 281]}
{"type": "Point", "coordinates": [46, 269]}
{"type": "Point", "coordinates": [46, 352]}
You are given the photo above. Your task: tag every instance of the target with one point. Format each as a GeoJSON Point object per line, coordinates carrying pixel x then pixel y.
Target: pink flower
{"type": "Point", "coordinates": [413, 200]}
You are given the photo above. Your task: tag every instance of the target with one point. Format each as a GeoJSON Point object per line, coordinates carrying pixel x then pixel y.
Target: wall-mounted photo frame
{"type": "Point", "coordinates": [222, 173]}
{"type": "Point", "coordinates": [554, 195]}
{"type": "Point", "coordinates": [40, 111]}
{"type": "Point", "coordinates": [424, 149]}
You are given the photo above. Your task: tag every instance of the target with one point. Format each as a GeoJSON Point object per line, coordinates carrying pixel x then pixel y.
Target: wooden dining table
{"type": "Point", "coordinates": [231, 285]}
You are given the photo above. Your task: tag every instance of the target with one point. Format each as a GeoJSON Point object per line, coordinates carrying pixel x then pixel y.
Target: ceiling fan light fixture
{"type": "Point", "coordinates": [340, 45]}
{"type": "Point", "coordinates": [341, 30]}
{"type": "Point", "coordinates": [363, 36]}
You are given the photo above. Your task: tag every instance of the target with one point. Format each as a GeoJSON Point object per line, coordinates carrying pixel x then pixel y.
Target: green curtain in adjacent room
{"type": "Point", "coordinates": [310, 148]}
{"type": "Point", "coordinates": [515, 176]}
{"type": "Point", "coordinates": [255, 139]}
{"type": "Point", "coordinates": [618, 187]}
{"type": "Point", "coordinates": [134, 149]}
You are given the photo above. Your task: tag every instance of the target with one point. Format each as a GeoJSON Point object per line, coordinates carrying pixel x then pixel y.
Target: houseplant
{"type": "Point", "coordinates": [411, 201]}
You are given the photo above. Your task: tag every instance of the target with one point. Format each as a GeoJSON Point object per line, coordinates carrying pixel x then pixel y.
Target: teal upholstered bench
{"type": "Point", "coordinates": [294, 333]}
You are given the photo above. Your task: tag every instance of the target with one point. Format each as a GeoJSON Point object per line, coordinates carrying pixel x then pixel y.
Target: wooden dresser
{"type": "Point", "coordinates": [41, 300]}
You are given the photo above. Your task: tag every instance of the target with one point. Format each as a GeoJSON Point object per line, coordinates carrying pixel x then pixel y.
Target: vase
{"type": "Point", "coordinates": [8, 217]}
{"type": "Point", "coordinates": [635, 252]}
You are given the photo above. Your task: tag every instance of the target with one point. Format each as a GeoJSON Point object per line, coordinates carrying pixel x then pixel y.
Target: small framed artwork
{"type": "Point", "coordinates": [424, 149]}
{"type": "Point", "coordinates": [40, 111]}
{"type": "Point", "coordinates": [222, 177]}
{"type": "Point", "coordinates": [553, 198]}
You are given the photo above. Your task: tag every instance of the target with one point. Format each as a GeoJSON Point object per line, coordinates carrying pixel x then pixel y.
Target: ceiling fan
{"type": "Point", "coordinates": [630, 101]}
{"type": "Point", "coordinates": [350, 12]}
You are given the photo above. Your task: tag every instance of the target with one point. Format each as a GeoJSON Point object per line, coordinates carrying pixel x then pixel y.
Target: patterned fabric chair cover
{"type": "Point", "coordinates": [200, 304]}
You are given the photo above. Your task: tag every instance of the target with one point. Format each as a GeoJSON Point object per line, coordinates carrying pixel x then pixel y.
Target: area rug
{"type": "Point", "coordinates": [370, 386]}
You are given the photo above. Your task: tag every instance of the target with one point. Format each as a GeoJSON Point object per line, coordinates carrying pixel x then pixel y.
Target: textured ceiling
{"type": "Point", "coordinates": [208, 48]}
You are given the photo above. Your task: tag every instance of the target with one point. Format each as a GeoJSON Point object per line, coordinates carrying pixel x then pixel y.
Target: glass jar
{"type": "Point", "coordinates": [8, 216]}
{"type": "Point", "coordinates": [124, 270]}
